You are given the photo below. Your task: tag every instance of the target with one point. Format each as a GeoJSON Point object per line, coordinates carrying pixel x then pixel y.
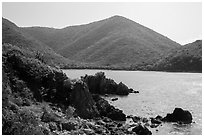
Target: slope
{"type": "Point", "coordinates": [187, 58]}
{"type": "Point", "coordinates": [113, 41]}
{"type": "Point", "coordinates": [13, 35]}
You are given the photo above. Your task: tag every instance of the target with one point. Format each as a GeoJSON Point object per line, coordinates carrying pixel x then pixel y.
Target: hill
{"type": "Point", "coordinates": [116, 41]}
{"type": "Point", "coordinates": [187, 58]}
{"type": "Point", "coordinates": [13, 35]}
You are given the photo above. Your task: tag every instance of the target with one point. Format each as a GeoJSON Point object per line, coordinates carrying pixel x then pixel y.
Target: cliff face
{"type": "Point", "coordinates": [82, 99]}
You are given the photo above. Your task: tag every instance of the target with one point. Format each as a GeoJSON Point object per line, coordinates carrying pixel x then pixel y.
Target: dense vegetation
{"type": "Point", "coordinates": [113, 42]}
{"type": "Point", "coordinates": [40, 99]}
{"type": "Point", "coordinates": [187, 58]}
{"type": "Point", "coordinates": [12, 34]}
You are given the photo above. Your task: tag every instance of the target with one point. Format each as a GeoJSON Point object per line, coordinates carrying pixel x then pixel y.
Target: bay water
{"type": "Point", "coordinates": [159, 93]}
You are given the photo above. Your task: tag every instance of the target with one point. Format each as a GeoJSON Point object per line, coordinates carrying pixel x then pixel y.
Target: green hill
{"type": "Point", "coordinates": [113, 41]}
{"type": "Point", "coordinates": [187, 58]}
{"type": "Point", "coordinates": [12, 34]}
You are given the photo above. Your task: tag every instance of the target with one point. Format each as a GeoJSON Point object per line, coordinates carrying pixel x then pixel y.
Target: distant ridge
{"type": "Point", "coordinates": [187, 58]}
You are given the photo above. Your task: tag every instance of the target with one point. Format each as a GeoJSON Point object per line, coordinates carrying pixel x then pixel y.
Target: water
{"type": "Point", "coordinates": [159, 94]}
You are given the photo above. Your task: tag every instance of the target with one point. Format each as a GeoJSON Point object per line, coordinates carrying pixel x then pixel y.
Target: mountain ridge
{"type": "Point", "coordinates": [75, 42]}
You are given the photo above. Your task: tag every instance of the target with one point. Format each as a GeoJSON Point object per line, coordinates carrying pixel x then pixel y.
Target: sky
{"type": "Point", "coordinates": [179, 21]}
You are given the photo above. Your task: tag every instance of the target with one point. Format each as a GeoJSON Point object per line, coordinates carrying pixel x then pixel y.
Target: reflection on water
{"type": "Point", "coordinates": [160, 93]}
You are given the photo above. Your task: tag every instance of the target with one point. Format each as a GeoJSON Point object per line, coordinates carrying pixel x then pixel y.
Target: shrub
{"type": "Point", "coordinates": [20, 123]}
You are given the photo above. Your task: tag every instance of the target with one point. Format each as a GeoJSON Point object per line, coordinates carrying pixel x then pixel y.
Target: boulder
{"type": "Point", "coordinates": [107, 120]}
{"type": "Point", "coordinates": [69, 126]}
{"type": "Point", "coordinates": [50, 116]}
{"type": "Point", "coordinates": [114, 99]}
{"type": "Point", "coordinates": [89, 131]}
{"type": "Point", "coordinates": [179, 115]}
{"type": "Point", "coordinates": [107, 110]}
{"type": "Point", "coordinates": [106, 95]}
{"type": "Point", "coordinates": [122, 89]}
{"type": "Point", "coordinates": [154, 125]}
{"type": "Point", "coordinates": [117, 114]}
{"type": "Point", "coordinates": [129, 116]}
{"type": "Point", "coordinates": [158, 117]}
{"type": "Point", "coordinates": [100, 122]}
{"type": "Point", "coordinates": [155, 121]}
{"type": "Point", "coordinates": [136, 119]}
{"type": "Point", "coordinates": [145, 120]}
{"type": "Point", "coordinates": [53, 126]}
{"type": "Point", "coordinates": [141, 130]}
{"type": "Point", "coordinates": [82, 100]}
{"type": "Point", "coordinates": [133, 91]}
{"type": "Point", "coordinates": [136, 92]}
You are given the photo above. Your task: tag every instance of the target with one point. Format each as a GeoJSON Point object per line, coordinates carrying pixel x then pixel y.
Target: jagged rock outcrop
{"type": "Point", "coordinates": [107, 110]}
{"type": "Point", "coordinates": [122, 89]}
{"type": "Point", "coordinates": [99, 84]}
{"type": "Point", "coordinates": [82, 100]}
{"type": "Point", "coordinates": [179, 115]}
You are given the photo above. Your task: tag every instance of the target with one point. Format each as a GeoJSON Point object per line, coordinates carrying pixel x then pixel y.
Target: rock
{"type": "Point", "coordinates": [158, 117]}
{"type": "Point", "coordinates": [136, 119]}
{"type": "Point", "coordinates": [145, 120]}
{"type": "Point", "coordinates": [105, 119]}
{"type": "Point", "coordinates": [99, 84]}
{"type": "Point", "coordinates": [119, 124]}
{"type": "Point", "coordinates": [53, 126]}
{"type": "Point", "coordinates": [136, 92]}
{"type": "Point", "coordinates": [82, 100]}
{"type": "Point", "coordinates": [147, 124]}
{"type": "Point", "coordinates": [133, 91]}
{"type": "Point", "coordinates": [141, 130]}
{"type": "Point", "coordinates": [154, 125]}
{"type": "Point", "coordinates": [106, 95]}
{"type": "Point", "coordinates": [114, 99]}
{"type": "Point", "coordinates": [179, 115]}
{"type": "Point", "coordinates": [69, 126]}
{"type": "Point", "coordinates": [88, 131]}
{"type": "Point", "coordinates": [110, 125]}
{"type": "Point", "coordinates": [155, 121]}
{"type": "Point", "coordinates": [117, 114]}
{"type": "Point", "coordinates": [50, 116]}
{"type": "Point", "coordinates": [122, 89]}
{"type": "Point", "coordinates": [107, 110]}
{"type": "Point", "coordinates": [100, 122]}
{"type": "Point", "coordinates": [100, 131]}
{"type": "Point", "coordinates": [129, 116]}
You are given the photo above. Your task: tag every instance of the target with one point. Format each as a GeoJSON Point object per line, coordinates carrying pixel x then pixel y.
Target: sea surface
{"type": "Point", "coordinates": [159, 93]}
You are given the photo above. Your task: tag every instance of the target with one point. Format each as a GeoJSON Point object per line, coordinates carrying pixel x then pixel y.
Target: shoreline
{"type": "Point", "coordinates": [118, 69]}
{"type": "Point", "coordinates": [130, 70]}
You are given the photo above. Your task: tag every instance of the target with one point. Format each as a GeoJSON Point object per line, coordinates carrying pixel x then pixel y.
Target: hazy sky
{"type": "Point", "coordinates": [181, 22]}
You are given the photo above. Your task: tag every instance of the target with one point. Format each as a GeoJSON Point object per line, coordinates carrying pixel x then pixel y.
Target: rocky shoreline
{"type": "Point", "coordinates": [39, 99]}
